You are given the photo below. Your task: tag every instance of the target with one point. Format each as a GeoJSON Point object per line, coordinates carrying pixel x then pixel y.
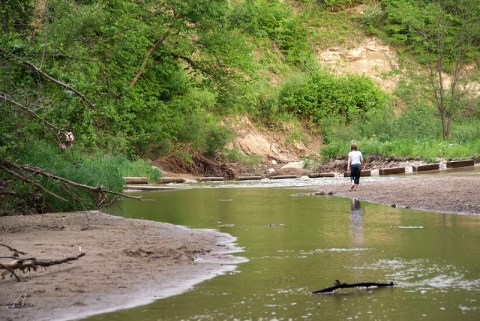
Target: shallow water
{"type": "Point", "coordinates": [297, 243]}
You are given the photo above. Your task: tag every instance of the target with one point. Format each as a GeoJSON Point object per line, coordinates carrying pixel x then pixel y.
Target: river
{"type": "Point", "coordinates": [296, 243]}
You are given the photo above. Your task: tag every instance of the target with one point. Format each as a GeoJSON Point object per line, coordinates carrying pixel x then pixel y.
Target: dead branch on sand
{"type": "Point", "coordinates": [17, 303]}
{"type": "Point", "coordinates": [15, 252]}
{"type": "Point", "coordinates": [31, 264]}
{"type": "Point", "coordinates": [197, 165]}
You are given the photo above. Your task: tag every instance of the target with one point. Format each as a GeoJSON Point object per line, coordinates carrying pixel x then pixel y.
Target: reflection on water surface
{"type": "Point", "coordinates": [296, 245]}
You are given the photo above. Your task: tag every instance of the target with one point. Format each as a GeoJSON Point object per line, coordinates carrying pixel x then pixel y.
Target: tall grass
{"type": "Point", "coordinates": [428, 150]}
{"type": "Point", "coordinates": [403, 139]}
{"type": "Point", "coordinates": [96, 170]}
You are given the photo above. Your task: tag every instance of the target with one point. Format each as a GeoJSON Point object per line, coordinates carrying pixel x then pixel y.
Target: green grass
{"type": "Point", "coordinates": [428, 150]}
{"type": "Point", "coordinates": [94, 170]}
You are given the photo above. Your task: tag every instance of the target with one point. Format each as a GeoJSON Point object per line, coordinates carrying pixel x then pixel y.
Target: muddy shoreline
{"type": "Point", "coordinates": [452, 191]}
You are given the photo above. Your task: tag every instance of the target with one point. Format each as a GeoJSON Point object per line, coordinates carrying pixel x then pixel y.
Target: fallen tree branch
{"type": "Point", "coordinates": [339, 285]}
{"type": "Point", "coordinates": [97, 189]}
{"type": "Point", "coordinates": [15, 251]}
{"type": "Point", "coordinates": [12, 272]}
{"type": "Point", "coordinates": [145, 61]}
{"type": "Point", "coordinates": [31, 264]}
{"type": "Point", "coordinates": [16, 303]}
{"type": "Point", "coordinates": [34, 183]}
{"type": "Point", "coordinates": [4, 164]}
{"type": "Point", "coordinates": [7, 98]}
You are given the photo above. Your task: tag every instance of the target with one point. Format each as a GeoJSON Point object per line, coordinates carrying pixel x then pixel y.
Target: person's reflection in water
{"type": "Point", "coordinates": [356, 222]}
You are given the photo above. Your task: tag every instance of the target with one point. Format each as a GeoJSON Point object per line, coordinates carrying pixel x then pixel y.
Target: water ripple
{"type": "Point", "coordinates": [317, 251]}
{"type": "Point", "coordinates": [423, 275]}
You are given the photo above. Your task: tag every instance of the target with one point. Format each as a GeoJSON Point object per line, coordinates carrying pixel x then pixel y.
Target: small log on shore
{"type": "Point", "coordinates": [168, 180]}
{"type": "Point", "coordinates": [248, 177]}
{"type": "Point", "coordinates": [460, 163]}
{"type": "Point", "coordinates": [283, 176]}
{"type": "Point", "coordinates": [426, 167]}
{"type": "Point", "coordinates": [136, 180]}
{"type": "Point", "coordinates": [211, 179]}
{"type": "Point", "coordinates": [339, 285]}
{"type": "Point", "coordinates": [318, 175]}
{"type": "Point", "coordinates": [393, 170]}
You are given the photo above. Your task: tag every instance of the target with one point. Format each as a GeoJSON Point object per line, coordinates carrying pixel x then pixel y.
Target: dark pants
{"type": "Point", "coordinates": [356, 170]}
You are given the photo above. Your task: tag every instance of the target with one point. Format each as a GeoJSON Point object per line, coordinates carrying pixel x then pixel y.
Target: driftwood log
{"type": "Point", "coordinates": [339, 285]}
{"type": "Point", "coordinates": [31, 264]}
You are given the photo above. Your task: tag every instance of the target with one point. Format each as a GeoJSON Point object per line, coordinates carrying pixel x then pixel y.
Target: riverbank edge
{"type": "Point", "coordinates": [171, 260]}
{"type": "Point", "coordinates": [456, 193]}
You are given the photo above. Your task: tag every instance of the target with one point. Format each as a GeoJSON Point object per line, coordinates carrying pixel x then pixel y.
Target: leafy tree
{"type": "Point", "coordinates": [276, 21]}
{"type": "Point", "coordinates": [113, 72]}
{"type": "Point", "coordinates": [444, 36]}
{"type": "Point", "coordinates": [133, 60]}
{"type": "Point", "coordinates": [16, 14]}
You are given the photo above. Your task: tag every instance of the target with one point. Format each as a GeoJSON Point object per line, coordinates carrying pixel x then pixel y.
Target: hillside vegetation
{"type": "Point", "coordinates": [91, 91]}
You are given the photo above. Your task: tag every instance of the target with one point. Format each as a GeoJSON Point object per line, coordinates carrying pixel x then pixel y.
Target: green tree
{"type": "Point", "coordinates": [123, 76]}
{"type": "Point", "coordinates": [444, 35]}
{"type": "Point", "coordinates": [16, 14]}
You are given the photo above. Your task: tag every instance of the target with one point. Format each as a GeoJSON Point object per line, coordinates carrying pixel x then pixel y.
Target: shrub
{"type": "Point", "coordinates": [417, 121]}
{"type": "Point", "coordinates": [323, 96]}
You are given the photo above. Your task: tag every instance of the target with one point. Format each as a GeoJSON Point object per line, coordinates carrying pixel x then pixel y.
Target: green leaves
{"type": "Point", "coordinates": [276, 21]}
{"type": "Point", "coordinates": [15, 15]}
{"type": "Point", "coordinates": [426, 27]}
{"type": "Point", "coordinates": [325, 96]}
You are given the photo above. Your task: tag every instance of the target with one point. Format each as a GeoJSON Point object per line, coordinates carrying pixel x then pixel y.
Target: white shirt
{"type": "Point", "coordinates": [355, 157]}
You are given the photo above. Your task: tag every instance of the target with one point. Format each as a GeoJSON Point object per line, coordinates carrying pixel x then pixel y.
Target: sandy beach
{"type": "Point", "coordinates": [132, 262]}
{"type": "Point", "coordinates": [127, 263]}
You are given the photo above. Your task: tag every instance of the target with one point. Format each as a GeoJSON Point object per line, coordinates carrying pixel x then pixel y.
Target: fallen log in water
{"type": "Point", "coordinates": [339, 285]}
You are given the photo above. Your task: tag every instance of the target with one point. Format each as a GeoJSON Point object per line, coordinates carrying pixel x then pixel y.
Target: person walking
{"type": "Point", "coordinates": [355, 165]}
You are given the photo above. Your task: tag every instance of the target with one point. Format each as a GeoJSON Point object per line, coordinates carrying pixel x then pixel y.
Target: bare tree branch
{"type": "Point", "coordinates": [339, 285]}
{"type": "Point", "coordinates": [145, 61]}
{"type": "Point", "coordinates": [34, 183]}
{"type": "Point", "coordinates": [7, 98]}
{"type": "Point", "coordinates": [15, 251]}
{"type": "Point", "coordinates": [9, 270]}
{"type": "Point", "coordinates": [52, 79]}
